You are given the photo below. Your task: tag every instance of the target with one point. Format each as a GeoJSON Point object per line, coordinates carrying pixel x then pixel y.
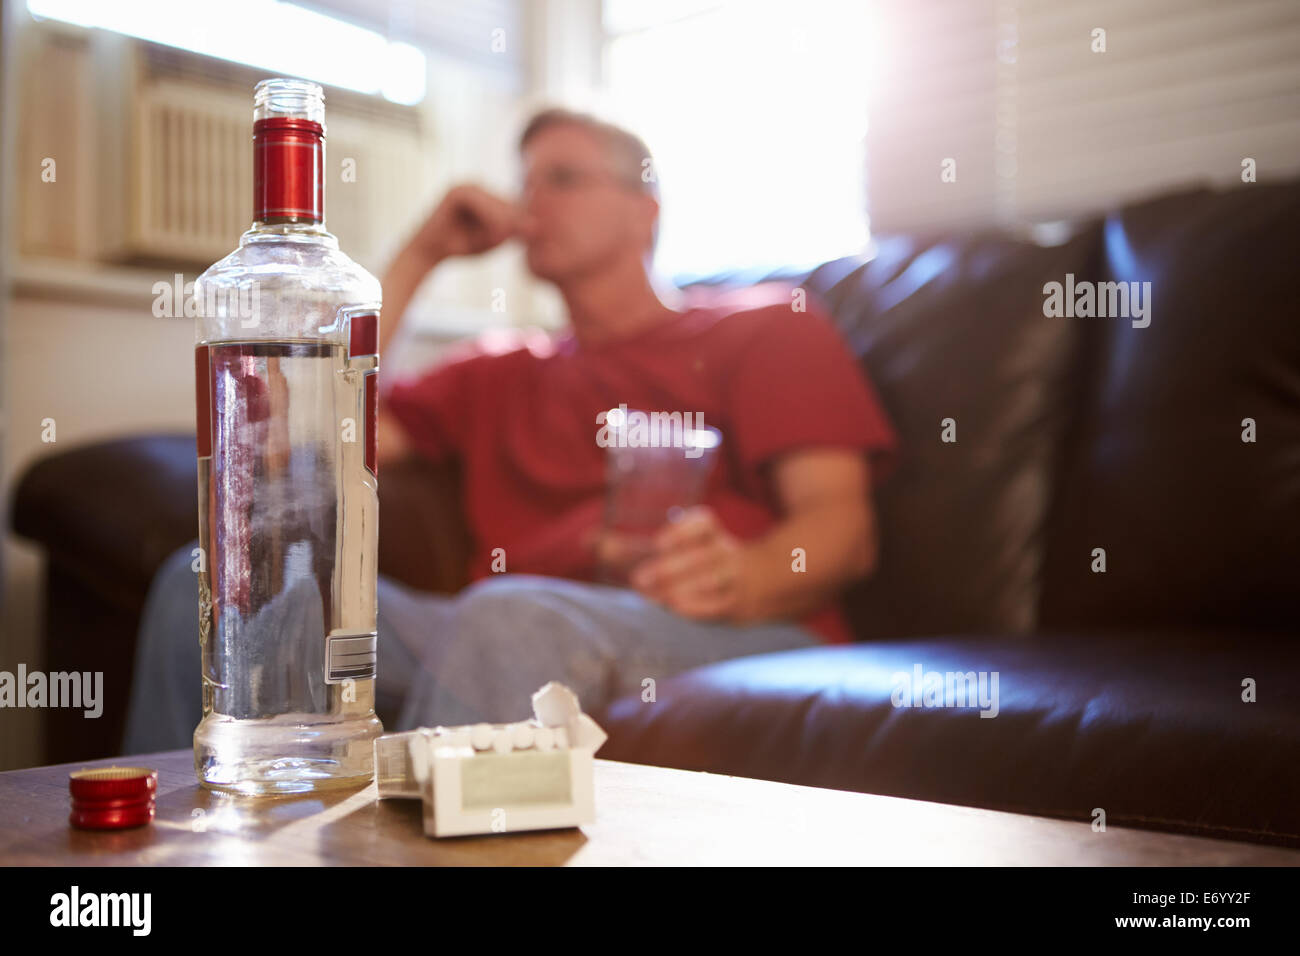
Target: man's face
{"type": "Point", "coordinates": [580, 217]}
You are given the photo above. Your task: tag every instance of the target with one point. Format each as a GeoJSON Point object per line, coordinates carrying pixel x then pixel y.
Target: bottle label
{"type": "Point", "coordinates": [363, 339]}
{"type": "Point", "coordinates": [372, 422]}
{"type": "Point", "coordinates": [203, 401]}
{"type": "Point", "coordinates": [350, 655]}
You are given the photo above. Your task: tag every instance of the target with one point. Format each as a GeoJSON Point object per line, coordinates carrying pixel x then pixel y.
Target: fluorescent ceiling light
{"type": "Point", "coordinates": [283, 38]}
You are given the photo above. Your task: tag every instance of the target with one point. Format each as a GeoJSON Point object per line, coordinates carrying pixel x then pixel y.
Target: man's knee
{"type": "Point", "coordinates": [173, 601]}
{"type": "Point", "coordinates": [502, 606]}
{"type": "Point", "coordinates": [179, 566]}
{"type": "Point", "coordinates": [521, 614]}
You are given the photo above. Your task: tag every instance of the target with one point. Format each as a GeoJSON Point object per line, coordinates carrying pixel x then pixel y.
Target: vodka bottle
{"type": "Point", "coordinates": [286, 369]}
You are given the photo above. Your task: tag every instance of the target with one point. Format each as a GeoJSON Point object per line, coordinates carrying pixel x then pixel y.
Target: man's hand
{"type": "Point", "coordinates": [392, 444]}
{"type": "Point", "coordinates": [697, 569]}
{"type": "Point", "coordinates": [700, 570]}
{"type": "Point", "coordinates": [469, 220]}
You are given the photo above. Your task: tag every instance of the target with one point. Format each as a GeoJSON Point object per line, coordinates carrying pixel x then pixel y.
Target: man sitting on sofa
{"type": "Point", "coordinates": [786, 521]}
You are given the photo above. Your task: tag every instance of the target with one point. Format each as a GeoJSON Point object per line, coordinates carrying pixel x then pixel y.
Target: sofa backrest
{"type": "Point", "coordinates": [1185, 462]}
{"type": "Point", "coordinates": [1069, 433]}
{"type": "Point", "coordinates": [980, 388]}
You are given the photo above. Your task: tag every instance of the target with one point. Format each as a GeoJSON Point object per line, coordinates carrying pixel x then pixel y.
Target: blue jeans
{"type": "Point", "coordinates": [455, 659]}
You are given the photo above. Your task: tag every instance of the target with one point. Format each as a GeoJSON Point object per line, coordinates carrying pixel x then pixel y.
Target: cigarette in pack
{"type": "Point", "coordinates": [498, 778]}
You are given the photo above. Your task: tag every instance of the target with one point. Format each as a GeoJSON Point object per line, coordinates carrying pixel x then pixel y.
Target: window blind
{"type": "Point", "coordinates": [1044, 118]}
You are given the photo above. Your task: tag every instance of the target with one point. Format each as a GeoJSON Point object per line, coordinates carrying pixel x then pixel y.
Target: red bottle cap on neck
{"type": "Point", "coordinates": [288, 170]}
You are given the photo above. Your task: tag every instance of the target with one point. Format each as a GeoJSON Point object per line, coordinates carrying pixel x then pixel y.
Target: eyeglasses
{"type": "Point", "coordinates": [568, 179]}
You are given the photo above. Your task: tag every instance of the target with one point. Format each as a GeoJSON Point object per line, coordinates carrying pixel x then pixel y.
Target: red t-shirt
{"type": "Point", "coordinates": [519, 408]}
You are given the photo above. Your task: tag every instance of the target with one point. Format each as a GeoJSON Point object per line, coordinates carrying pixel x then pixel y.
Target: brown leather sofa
{"type": "Point", "coordinates": [1120, 690]}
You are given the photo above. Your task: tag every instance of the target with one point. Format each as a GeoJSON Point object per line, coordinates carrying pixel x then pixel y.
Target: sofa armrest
{"type": "Point", "coordinates": [110, 513]}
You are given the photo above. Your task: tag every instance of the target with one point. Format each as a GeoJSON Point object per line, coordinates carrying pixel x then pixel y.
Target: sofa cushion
{"type": "Point", "coordinates": [109, 513]}
{"type": "Point", "coordinates": [1150, 727]}
{"type": "Point", "coordinates": [954, 329]}
{"type": "Point", "coordinates": [1199, 527]}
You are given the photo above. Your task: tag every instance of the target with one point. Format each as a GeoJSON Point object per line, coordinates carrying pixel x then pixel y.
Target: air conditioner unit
{"type": "Point", "coordinates": [174, 141]}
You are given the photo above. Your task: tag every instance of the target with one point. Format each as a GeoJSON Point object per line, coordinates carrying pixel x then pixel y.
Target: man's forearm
{"type": "Point", "coordinates": [400, 280]}
{"type": "Point", "coordinates": [836, 545]}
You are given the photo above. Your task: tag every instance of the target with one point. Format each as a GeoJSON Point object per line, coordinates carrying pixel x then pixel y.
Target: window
{"type": "Point", "coordinates": [756, 114]}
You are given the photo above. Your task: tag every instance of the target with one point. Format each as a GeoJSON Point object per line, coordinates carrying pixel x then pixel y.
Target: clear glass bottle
{"type": "Point", "coordinates": [286, 369]}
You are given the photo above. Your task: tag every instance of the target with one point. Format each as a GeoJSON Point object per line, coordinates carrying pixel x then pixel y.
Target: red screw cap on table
{"type": "Point", "coordinates": [111, 798]}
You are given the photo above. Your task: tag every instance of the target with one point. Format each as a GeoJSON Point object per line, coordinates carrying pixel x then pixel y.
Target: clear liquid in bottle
{"type": "Point", "coordinates": [287, 523]}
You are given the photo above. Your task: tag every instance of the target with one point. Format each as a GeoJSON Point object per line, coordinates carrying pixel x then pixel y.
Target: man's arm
{"type": "Point", "coordinates": [402, 278]}
{"type": "Point", "coordinates": [391, 441]}
{"type": "Point", "coordinates": [826, 498]}
{"type": "Point", "coordinates": [468, 221]}
{"type": "Point", "coordinates": [700, 570]}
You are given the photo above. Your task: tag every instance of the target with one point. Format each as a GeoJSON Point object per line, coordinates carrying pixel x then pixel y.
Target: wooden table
{"type": "Point", "coordinates": [645, 816]}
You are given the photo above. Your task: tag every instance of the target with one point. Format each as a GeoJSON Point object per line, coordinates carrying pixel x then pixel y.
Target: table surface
{"type": "Point", "coordinates": [644, 816]}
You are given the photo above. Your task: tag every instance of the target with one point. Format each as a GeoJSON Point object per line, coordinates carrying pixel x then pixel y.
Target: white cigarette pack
{"type": "Point", "coordinates": [498, 778]}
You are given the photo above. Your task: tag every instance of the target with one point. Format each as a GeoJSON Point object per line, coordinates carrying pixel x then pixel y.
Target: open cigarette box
{"type": "Point", "coordinates": [498, 778]}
